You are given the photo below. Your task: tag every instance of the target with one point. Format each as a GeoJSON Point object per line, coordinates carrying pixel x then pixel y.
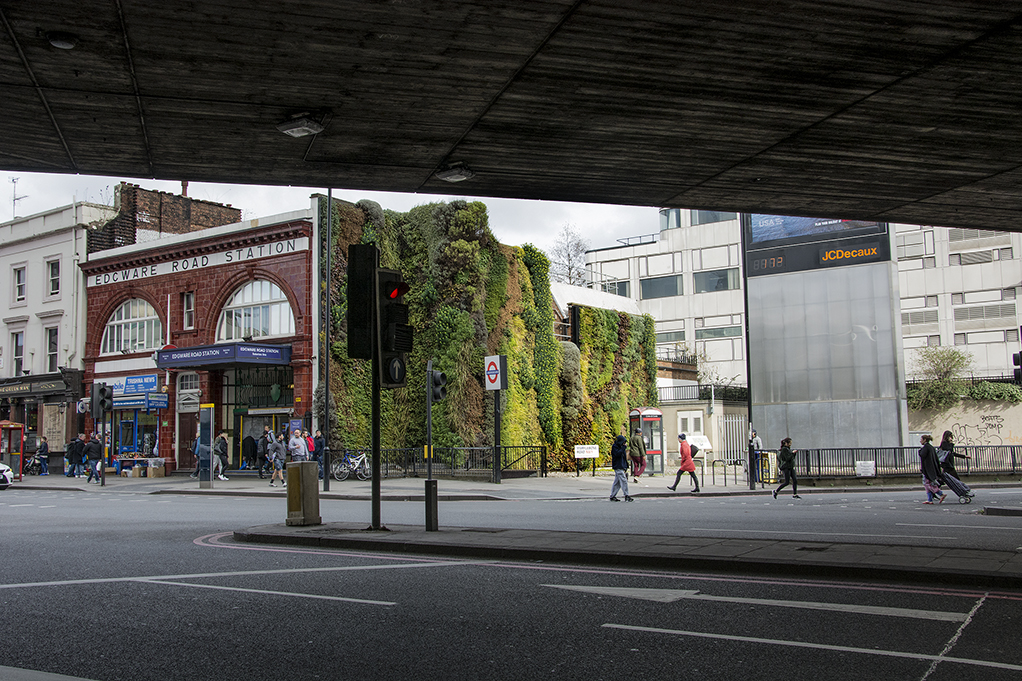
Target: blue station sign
{"type": "Point", "coordinates": [223, 354]}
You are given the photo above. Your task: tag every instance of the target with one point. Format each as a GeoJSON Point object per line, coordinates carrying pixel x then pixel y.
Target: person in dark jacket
{"type": "Point", "coordinates": [93, 454]}
{"type": "Point", "coordinates": [619, 462]}
{"type": "Point", "coordinates": [637, 452]}
{"type": "Point", "coordinates": [946, 454]}
{"type": "Point", "coordinates": [220, 451]}
{"type": "Point", "coordinates": [43, 452]}
{"type": "Point", "coordinates": [929, 464]}
{"type": "Point", "coordinates": [320, 443]}
{"type": "Point", "coordinates": [786, 463]}
{"type": "Point", "coordinates": [75, 456]}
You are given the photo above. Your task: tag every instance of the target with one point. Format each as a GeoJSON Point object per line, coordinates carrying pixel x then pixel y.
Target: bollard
{"type": "Point", "coordinates": [303, 493]}
{"type": "Point", "coordinates": [432, 522]}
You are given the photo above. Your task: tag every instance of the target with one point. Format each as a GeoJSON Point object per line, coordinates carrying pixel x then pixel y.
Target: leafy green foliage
{"type": "Point", "coordinates": [998, 392]}
{"type": "Point", "coordinates": [471, 297]}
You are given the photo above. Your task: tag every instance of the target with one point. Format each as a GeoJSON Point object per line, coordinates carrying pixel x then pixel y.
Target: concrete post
{"type": "Point", "coordinates": [303, 493]}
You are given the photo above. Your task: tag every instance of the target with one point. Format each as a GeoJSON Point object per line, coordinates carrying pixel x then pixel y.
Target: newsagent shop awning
{"type": "Point", "coordinates": [223, 356]}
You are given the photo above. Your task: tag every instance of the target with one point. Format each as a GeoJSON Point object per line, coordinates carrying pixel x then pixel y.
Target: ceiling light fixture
{"type": "Point", "coordinates": [300, 125]}
{"type": "Point", "coordinates": [62, 40]}
{"type": "Point", "coordinates": [455, 172]}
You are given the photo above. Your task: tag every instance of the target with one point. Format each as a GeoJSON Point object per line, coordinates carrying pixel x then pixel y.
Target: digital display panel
{"type": "Point", "coordinates": [778, 229]}
{"type": "Point", "coordinates": [777, 244]}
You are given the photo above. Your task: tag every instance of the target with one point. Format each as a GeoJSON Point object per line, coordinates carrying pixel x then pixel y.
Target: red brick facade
{"type": "Point", "coordinates": [156, 271]}
{"type": "Point", "coordinates": [157, 212]}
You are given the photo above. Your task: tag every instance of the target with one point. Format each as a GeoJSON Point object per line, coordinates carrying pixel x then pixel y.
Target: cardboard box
{"type": "Point", "coordinates": [136, 471]}
{"type": "Point", "coordinates": [157, 472]}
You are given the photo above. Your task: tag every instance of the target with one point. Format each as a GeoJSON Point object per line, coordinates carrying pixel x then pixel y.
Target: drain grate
{"type": "Point", "coordinates": [812, 548]}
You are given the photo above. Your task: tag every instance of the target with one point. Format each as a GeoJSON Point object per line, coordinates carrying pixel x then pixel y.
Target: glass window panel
{"type": "Point", "coordinates": [716, 280]}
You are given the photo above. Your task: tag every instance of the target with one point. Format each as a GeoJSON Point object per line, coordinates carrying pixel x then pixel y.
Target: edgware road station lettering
{"type": "Point", "coordinates": [234, 255]}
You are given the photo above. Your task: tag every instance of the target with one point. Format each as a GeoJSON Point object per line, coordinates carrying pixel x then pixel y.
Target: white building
{"type": "Point", "coordinates": [957, 287]}
{"type": "Point", "coordinates": [43, 311]}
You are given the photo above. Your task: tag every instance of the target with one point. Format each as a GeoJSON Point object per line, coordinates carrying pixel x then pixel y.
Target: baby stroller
{"type": "Point", "coordinates": [965, 494]}
{"type": "Point", "coordinates": [32, 466]}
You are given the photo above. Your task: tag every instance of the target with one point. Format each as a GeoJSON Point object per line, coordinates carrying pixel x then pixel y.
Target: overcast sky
{"type": "Point", "coordinates": [513, 222]}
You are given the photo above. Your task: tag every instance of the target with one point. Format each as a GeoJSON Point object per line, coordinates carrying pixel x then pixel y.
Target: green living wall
{"type": "Point", "coordinates": [471, 297]}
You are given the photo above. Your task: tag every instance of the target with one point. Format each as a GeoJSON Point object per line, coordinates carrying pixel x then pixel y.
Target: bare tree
{"type": "Point", "coordinates": [568, 257]}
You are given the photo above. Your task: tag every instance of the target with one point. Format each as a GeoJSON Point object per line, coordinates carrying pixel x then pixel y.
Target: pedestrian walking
{"type": "Point", "coordinates": [43, 453]}
{"type": "Point", "coordinates": [619, 462]}
{"type": "Point", "coordinates": [298, 447]}
{"type": "Point", "coordinates": [75, 456]}
{"type": "Point", "coordinates": [220, 450]}
{"type": "Point", "coordinates": [637, 452]}
{"type": "Point", "coordinates": [320, 442]}
{"type": "Point", "coordinates": [946, 454]}
{"type": "Point", "coordinates": [685, 464]}
{"type": "Point", "coordinates": [93, 455]}
{"type": "Point", "coordinates": [275, 454]}
{"type": "Point", "coordinates": [262, 445]}
{"type": "Point", "coordinates": [929, 464]}
{"type": "Point", "coordinates": [786, 463]}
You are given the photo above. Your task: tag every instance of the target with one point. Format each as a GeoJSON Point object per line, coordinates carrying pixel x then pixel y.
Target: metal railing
{"type": "Point", "coordinates": [691, 393]}
{"type": "Point", "coordinates": [468, 462]}
{"type": "Point", "coordinates": [902, 461]}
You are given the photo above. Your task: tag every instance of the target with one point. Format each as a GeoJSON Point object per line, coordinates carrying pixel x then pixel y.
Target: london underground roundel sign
{"type": "Point", "coordinates": [495, 372]}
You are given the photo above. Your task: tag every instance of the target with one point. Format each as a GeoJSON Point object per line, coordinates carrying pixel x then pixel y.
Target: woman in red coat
{"type": "Point", "coordinates": [687, 465]}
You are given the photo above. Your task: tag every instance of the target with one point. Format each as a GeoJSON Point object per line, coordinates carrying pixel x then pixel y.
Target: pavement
{"type": "Point", "coordinates": [790, 558]}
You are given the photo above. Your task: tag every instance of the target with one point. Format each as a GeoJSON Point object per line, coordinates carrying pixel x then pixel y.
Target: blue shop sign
{"type": "Point", "coordinates": [141, 384]}
{"type": "Point", "coordinates": [145, 401]}
{"type": "Point", "coordinates": [223, 354]}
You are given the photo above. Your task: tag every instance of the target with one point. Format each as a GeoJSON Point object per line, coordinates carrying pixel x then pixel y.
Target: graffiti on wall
{"type": "Point", "coordinates": [986, 432]}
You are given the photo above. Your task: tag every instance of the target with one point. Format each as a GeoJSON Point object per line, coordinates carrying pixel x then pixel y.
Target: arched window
{"type": "Point", "coordinates": [133, 327]}
{"type": "Point", "coordinates": [258, 309]}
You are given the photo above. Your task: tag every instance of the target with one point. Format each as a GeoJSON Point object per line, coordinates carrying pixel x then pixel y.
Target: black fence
{"type": "Point", "coordinates": [462, 462]}
{"type": "Point", "coordinates": [692, 393]}
{"type": "Point", "coordinates": [903, 461]}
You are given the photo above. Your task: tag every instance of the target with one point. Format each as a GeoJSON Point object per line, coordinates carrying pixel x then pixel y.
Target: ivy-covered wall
{"type": "Point", "coordinates": [471, 297]}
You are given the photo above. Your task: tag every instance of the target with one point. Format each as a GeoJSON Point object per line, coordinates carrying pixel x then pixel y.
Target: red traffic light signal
{"type": "Point", "coordinates": [395, 334]}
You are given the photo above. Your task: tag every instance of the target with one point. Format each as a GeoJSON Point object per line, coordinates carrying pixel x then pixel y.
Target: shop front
{"type": "Point", "coordinates": [253, 387]}
{"type": "Point", "coordinates": [45, 405]}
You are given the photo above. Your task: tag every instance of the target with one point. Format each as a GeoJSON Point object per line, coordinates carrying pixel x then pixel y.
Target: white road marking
{"type": "Point", "coordinates": [967, 527]}
{"type": "Point", "coordinates": [47, 507]}
{"type": "Point", "coordinates": [954, 639]}
{"type": "Point", "coordinates": [822, 534]}
{"type": "Point", "coordinates": [818, 646]}
{"type": "Point", "coordinates": [19, 505]}
{"type": "Point", "coordinates": [239, 573]}
{"type": "Point", "coordinates": [672, 595]}
{"type": "Point", "coordinates": [267, 592]}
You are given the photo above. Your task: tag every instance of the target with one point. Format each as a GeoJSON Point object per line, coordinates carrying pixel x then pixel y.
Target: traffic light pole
{"type": "Point", "coordinates": [377, 523]}
{"type": "Point", "coordinates": [432, 508]}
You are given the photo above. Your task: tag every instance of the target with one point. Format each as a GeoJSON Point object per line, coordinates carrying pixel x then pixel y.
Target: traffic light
{"type": "Point", "coordinates": [363, 260]}
{"type": "Point", "coordinates": [437, 385]}
{"type": "Point", "coordinates": [1016, 359]}
{"type": "Point", "coordinates": [395, 334]}
{"type": "Point", "coordinates": [102, 400]}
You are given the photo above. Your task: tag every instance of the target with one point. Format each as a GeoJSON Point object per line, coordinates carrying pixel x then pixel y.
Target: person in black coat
{"type": "Point", "coordinates": [320, 448]}
{"type": "Point", "coordinates": [929, 464]}
{"type": "Point", "coordinates": [947, 454]}
{"type": "Point", "coordinates": [93, 454]}
{"type": "Point", "coordinates": [75, 456]}
{"type": "Point", "coordinates": [619, 462]}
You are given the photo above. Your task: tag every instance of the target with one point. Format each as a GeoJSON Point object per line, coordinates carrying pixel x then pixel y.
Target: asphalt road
{"type": "Point", "coordinates": [108, 585]}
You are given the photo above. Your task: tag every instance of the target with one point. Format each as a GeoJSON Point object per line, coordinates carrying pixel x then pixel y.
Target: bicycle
{"type": "Point", "coordinates": [341, 468]}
